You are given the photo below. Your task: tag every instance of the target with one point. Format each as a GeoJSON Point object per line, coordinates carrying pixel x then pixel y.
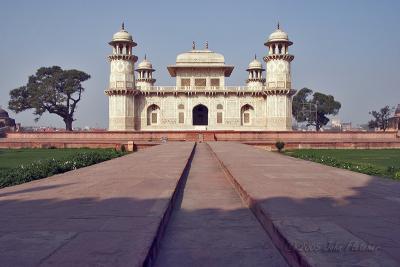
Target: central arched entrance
{"type": "Point", "coordinates": [200, 115]}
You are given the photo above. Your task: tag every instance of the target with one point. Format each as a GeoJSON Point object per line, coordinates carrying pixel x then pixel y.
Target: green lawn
{"type": "Point", "coordinates": [11, 158]}
{"type": "Point", "coordinates": [19, 166]}
{"type": "Point", "coordinates": [382, 162]}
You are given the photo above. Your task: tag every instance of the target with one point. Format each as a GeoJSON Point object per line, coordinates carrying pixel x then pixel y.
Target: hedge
{"type": "Point", "coordinates": [44, 168]}
{"type": "Point", "coordinates": [391, 172]}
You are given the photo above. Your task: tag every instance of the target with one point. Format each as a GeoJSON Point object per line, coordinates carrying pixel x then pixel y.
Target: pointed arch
{"type": "Point", "coordinates": [246, 115]}
{"type": "Point", "coordinates": [220, 114]}
{"type": "Point", "coordinates": [153, 114]}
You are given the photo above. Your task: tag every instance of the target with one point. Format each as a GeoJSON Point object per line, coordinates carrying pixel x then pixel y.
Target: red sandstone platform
{"type": "Point", "coordinates": [170, 206]}
{"type": "Point", "coordinates": [317, 215]}
{"type": "Point", "coordinates": [108, 214]}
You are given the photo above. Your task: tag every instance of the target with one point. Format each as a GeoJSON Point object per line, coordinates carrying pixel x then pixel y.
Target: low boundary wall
{"type": "Point", "coordinates": [264, 139]}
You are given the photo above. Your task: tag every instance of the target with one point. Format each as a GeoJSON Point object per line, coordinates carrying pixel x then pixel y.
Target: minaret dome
{"type": "Point", "coordinates": [278, 42]}
{"type": "Point", "coordinates": [122, 36]}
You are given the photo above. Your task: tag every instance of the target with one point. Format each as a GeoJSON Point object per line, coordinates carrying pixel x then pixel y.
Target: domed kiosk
{"type": "Point", "coordinates": [255, 70]}
{"type": "Point", "coordinates": [145, 74]}
{"type": "Point", "coordinates": [5, 120]}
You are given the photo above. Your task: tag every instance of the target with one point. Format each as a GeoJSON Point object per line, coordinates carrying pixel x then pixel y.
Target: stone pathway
{"type": "Point", "coordinates": [107, 214]}
{"type": "Point", "coordinates": [168, 206]}
{"type": "Point", "coordinates": [210, 226]}
{"type": "Point", "coordinates": [329, 216]}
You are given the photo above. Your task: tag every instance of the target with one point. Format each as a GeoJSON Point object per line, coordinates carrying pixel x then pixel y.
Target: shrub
{"type": "Point", "coordinates": [44, 168]}
{"type": "Point", "coordinates": [279, 145]}
{"type": "Point", "coordinates": [392, 169]}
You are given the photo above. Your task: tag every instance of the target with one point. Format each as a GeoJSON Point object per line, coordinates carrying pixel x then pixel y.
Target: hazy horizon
{"type": "Point", "coordinates": [349, 49]}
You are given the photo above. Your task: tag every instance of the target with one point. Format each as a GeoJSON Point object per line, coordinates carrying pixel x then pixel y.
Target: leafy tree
{"type": "Point", "coordinates": [314, 110]}
{"type": "Point", "coordinates": [52, 90]}
{"type": "Point", "coordinates": [300, 104]}
{"type": "Point", "coordinates": [381, 118]}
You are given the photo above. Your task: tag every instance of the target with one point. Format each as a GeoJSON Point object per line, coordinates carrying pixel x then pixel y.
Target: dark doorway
{"type": "Point", "coordinates": [200, 115]}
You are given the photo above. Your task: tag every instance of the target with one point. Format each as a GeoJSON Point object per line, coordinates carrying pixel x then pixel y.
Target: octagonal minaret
{"type": "Point", "coordinates": [121, 91]}
{"type": "Point", "coordinates": [145, 74]}
{"type": "Point", "coordinates": [255, 70]}
{"type": "Point", "coordinates": [279, 81]}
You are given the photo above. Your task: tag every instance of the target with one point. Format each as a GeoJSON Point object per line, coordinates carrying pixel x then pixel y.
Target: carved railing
{"type": "Point", "coordinates": [201, 89]}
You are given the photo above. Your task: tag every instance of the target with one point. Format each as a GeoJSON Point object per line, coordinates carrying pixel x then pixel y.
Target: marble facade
{"type": "Point", "coordinates": [200, 100]}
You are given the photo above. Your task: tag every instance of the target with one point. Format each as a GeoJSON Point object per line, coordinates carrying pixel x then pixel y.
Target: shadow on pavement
{"type": "Point", "coordinates": [117, 231]}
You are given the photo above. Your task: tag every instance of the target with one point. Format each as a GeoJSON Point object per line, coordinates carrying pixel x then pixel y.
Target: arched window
{"type": "Point", "coordinates": [219, 113]}
{"type": "Point", "coordinates": [246, 114]}
{"type": "Point", "coordinates": [181, 114]}
{"type": "Point", "coordinates": [153, 114]}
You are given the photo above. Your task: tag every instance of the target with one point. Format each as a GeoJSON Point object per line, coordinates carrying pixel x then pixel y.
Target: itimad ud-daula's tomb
{"type": "Point", "coordinates": [200, 100]}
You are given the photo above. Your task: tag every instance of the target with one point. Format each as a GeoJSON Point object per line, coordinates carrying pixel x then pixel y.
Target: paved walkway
{"type": "Point", "coordinates": [210, 226]}
{"type": "Point", "coordinates": [166, 207]}
{"type": "Point", "coordinates": [329, 216]}
{"type": "Point", "coordinates": [103, 215]}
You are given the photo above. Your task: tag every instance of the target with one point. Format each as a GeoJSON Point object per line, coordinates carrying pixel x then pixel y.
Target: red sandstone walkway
{"type": "Point", "coordinates": [211, 226]}
{"type": "Point", "coordinates": [331, 217]}
{"type": "Point", "coordinates": [112, 213]}
{"type": "Point", "coordinates": [103, 215]}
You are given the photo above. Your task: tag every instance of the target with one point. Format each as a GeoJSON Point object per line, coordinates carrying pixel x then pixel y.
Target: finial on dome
{"type": "Point", "coordinates": [123, 26]}
{"type": "Point", "coordinates": [278, 26]}
{"type": "Point", "coordinates": [193, 45]}
{"type": "Point", "coordinates": [145, 57]}
{"type": "Point", "coordinates": [206, 44]}
{"type": "Point", "coordinates": [255, 56]}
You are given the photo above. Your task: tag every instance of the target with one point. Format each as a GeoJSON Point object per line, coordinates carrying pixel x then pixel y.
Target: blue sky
{"type": "Point", "coordinates": [350, 49]}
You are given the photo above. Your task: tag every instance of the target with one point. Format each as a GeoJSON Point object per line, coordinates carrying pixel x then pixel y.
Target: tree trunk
{"type": "Point", "coordinates": [68, 124]}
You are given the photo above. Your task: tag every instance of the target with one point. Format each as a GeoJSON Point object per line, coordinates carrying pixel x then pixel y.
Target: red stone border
{"type": "Point", "coordinates": [142, 139]}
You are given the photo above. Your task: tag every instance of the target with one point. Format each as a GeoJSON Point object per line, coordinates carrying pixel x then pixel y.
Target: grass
{"type": "Point", "coordinates": [380, 162]}
{"type": "Point", "coordinates": [12, 158]}
{"type": "Point", "coordinates": [25, 165]}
